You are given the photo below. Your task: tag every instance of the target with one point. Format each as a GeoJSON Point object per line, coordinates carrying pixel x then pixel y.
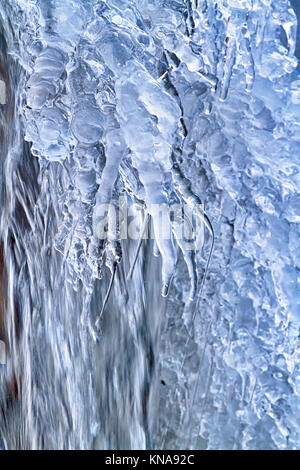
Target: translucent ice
{"type": "Point", "coordinates": [160, 102]}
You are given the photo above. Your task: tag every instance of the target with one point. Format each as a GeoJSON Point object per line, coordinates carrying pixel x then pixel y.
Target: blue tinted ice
{"type": "Point", "coordinates": [165, 102]}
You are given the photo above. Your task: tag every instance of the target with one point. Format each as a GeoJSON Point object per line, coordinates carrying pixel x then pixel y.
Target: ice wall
{"type": "Point", "coordinates": [181, 101]}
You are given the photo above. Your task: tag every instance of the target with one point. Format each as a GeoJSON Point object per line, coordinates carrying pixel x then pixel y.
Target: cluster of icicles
{"type": "Point", "coordinates": [94, 108]}
{"type": "Point", "coordinates": [96, 104]}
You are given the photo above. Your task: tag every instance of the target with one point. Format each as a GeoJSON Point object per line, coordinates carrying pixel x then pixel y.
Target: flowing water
{"type": "Point", "coordinates": [144, 342]}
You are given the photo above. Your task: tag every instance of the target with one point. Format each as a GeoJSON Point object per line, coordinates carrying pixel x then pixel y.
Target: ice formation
{"type": "Point", "coordinates": [160, 102]}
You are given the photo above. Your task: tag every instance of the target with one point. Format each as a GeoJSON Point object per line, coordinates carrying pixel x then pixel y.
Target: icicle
{"type": "Point", "coordinates": [113, 273]}
{"type": "Point", "coordinates": [230, 58]}
{"type": "Point", "coordinates": [143, 231]}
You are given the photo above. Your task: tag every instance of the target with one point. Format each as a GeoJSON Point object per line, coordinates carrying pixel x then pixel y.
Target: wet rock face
{"type": "Point", "coordinates": [182, 102]}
